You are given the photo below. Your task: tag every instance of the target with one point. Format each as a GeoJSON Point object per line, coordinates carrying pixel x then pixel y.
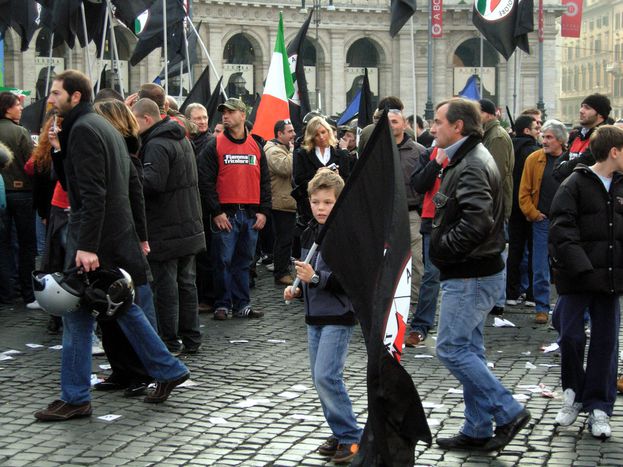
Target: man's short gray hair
{"type": "Point", "coordinates": [194, 106]}
{"type": "Point", "coordinates": [558, 129]}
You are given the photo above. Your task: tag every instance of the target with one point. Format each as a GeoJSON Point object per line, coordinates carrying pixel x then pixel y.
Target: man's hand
{"type": "Point", "coordinates": [131, 99]}
{"type": "Point", "coordinates": [289, 293]}
{"type": "Point", "coordinates": [145, 247]}
{"type": "Point", "coordinates": [260, 221]}
{"type": "Point", "coordinates": [541, 217]}
{"type": "Point", "coordinates": [221, 222]}
{"type": "Point", "coordinates": [87, 260]}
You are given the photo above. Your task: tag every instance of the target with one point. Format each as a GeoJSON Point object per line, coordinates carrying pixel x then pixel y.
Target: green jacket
{"type": "Point", "coordinates": [499, 144]}
{"type": "Point", "coordinates": [18, 140]}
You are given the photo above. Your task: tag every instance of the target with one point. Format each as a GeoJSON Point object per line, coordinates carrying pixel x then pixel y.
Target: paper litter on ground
{"type": "Point", "coordinates": [502, 323]}
{"type": "Point", "coordinates": [521, 397]}
{"type": "Point", "coordinates": [299, 387]}
{"type": "Point", "coordinates": [105, 366]}
{"type": "Point", "coordinates": [34, 346]}
{"type": "Point", "coordinates": [109, 417]}
{"type": "Point", "coordinates": [217, 420]}
{"type": "Point", "coordinates": [423, 356]}
{"type": "Point", "coordinates": [95, 379]}
{"type": "Point", "coordinates": [238, 341]}
{"type": "Point", "coordinates": [289, 395]}
{"type": "Point", "coordinates": [431, 405]}
{"type": "Point", "coordinates": [10, 352]}
{"type": "Point", "coordinates": [276, 341]}
{"type": "Point", "coordinates": [251, 403]}
{"type": "Point", "coordinates": [550, 348]}
{"type": "Point", "coordinates": [56, 347]}
{"type": "Point", "coordinates": [187, 384]}
{"type": "Point", "coordinates": [530, 366]}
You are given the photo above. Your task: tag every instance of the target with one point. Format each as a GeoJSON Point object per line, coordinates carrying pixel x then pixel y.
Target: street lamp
{"type": "Point", "coordinates": [428, 110]}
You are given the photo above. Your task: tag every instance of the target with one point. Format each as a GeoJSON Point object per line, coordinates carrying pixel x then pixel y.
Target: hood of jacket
{"type": "Point", "coordinates": [165, 128]}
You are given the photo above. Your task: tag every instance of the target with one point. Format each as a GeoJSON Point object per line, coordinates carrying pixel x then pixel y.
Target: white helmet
{"type": "Point", "coordinates": [59, 293]}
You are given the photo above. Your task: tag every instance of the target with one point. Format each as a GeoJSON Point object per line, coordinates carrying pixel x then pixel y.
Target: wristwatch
{"type": "Point", "coordinates": [315, 280]}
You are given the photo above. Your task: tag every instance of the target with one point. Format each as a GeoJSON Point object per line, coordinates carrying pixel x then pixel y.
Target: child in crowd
{"type": "Point", "coordinates": [586, 246]}
{"type": "Point", "coordinates": [330, 322]}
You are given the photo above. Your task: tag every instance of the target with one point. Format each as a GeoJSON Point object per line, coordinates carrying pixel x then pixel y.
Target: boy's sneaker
{"type": "Point", "coordinates": [345, 453]}
{"type": "Point", "coordinates": [329, 447]}
{"type": "Point", "coordinates": [599, 423]}
{"type": "Point", "coordinates": [248, 312]}
{"type": "Point", "coordinates": [569, 410]}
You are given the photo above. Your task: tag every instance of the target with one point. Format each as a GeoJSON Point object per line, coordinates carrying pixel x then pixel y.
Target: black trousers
{"type": "Point", "coordinates": [519, 236]}
{"type": "Point", "coordinates": [126, 367]}
{"type": "Point", "coordinates": [283, 231]}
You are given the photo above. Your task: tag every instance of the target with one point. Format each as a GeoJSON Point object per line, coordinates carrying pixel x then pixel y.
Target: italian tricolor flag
{"type": "Point", "coordinates": [277, 89]}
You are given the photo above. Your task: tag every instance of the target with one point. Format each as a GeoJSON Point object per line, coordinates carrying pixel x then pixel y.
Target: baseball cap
{"type": "Point", "coordinates": [232, 104]}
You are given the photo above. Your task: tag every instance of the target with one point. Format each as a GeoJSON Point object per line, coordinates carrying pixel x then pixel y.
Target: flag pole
{"type": "Point", "coordinates": [101, 57]}
{"type": "Point", "coordinates": [414, 85]}
{"type": "Point", "coordinates": [47, 78]}
{"type": "Point", "coordinates": [205, 51]}
{"type": "Point", "coordinates": [308, 258]}
{"type": "Point", "coordinates": [166, 54]}
{"type": "Point", "coordinates": [481, 60]}
{"type": "Point", "coordinates": [86, 41]}
{"type": "Point", "coordinates": [190, 72]}
{"type": "Point", "coordinates": [517, 53]}
{"type": "Point", "coordinates": [117, 67]}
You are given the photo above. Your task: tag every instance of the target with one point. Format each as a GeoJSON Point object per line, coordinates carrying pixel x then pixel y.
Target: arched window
{"type": "Point", "coordinates": [239, 57]}
{"type": "Point", "coordinates": [363, 53]}
{"type": "Point", "coordinates": [467, 63]}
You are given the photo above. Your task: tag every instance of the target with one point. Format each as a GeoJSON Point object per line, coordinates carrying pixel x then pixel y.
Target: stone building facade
{"type": "Point", "coordinates": [349, 36]}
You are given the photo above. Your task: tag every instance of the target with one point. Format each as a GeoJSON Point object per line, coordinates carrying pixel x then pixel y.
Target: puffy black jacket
{"type": "Point", "coordinates": [586, 234]}
{"type": "Point", "coordinates": [523, 146]}
{"type": "Point", "coordinates": [172, 202]}
{"type": "Point", "coordinates": [467, 237]}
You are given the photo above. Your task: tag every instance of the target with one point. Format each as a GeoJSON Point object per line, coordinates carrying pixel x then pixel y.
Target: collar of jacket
{"type": "Point", "coordinates": [150, 131]}
{"type": "Point", "coordinates": [491, 124]}
{"type": "Point", "coordinates": [276, 142]}
{"type": "Point", "coordinates": [470, 143]}
{"type": "Point", "coordinates": [229, 136]}
{"type": "Point", "coordinates": [583, 168]}
{"type": "Point", "coordinates": [70, 119]}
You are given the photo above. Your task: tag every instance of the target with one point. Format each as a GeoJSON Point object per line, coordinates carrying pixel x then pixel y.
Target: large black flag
{"type": "Point", "coordinates": [299, 102]}
{"type": "Point", "coordinates": [367, 245]}
{"type": "Point", "coordinates": [364, 117]}
{"type": "Point", "coordinates": [179, 63]}
{"type": "Point", "coordinates": [505, 24]}
{"type": "Point", "coordinates": [21, 15]}
{"type": "Point", "coordinates": [402, 10]}
{"type": "Point", "coordinates": [217, 98]}
{"type": "Point", "coordinates": [200, 92]}
{"type": "Point", "coordinates": [128, 10]}
{"type": "Point", "coordinates": [152, 36]}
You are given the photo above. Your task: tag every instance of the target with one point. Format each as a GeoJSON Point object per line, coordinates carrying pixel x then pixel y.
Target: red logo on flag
{"type": "Point", "coordinates": [437, 19]}
{"type": "Point", "coordinates": [572, 18]}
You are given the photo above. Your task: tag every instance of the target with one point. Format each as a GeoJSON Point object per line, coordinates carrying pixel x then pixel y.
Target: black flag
{"type": "Point", "coordinates": [127, 11]}
{"type": "Point", "coordinates": [21, 15]}
{"type": "Point", "coordinates": [367, 245]}
{"type": "Point", "coordinates": [505, 24]}
{"type": "Point", "coordinates": [256, 105]}
{"type": "Point", "coordinates": [217, 98]}
{"type": "Point", "coordinates": [179, 63]}
{"type": "Point", "coordinates": [200, 93]}
{"type": "Point", "coordinates": [299, 102]}
{"type": "Point", "coordinates": [402, 10]}
{"type": "Point", "coordinates": [152, 36]}
{"type": "Point", "coordinates": [364, 117]}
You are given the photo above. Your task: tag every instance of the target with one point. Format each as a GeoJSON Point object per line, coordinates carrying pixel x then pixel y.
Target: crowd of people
{"type": "Point", "coordinates": [188, 207]}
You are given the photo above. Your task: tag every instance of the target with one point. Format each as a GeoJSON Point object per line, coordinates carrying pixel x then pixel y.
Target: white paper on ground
{"type": "Point", "coordinates": [526, 353]}
{"type": "Point", "coordinates": [298, 416]}
{"type": "Point", "coordinates": [299, 387]}
{"type": "Point", "coordinates": [550, 348]}
{"type": "Point", "coordinates": [187, 384]}
{"type": "Point", "coordinates": [455, 391]}
{"type": "Point", "coordinates": [433, 422]}
{"type": "Point", "coordinates": [109, 417]}
{"type": "Point", "coordinates": [423, 356]}
{"type": "Point", "coordinates": [105, 366]}
{"type": "Point", "coordinates": [252, 402]}
{"type": "Point", "coordinates": [502, 323]}
{"type": "Point", "coordinates": [238, 341]}
{"type": "Point", "coordinates": [276, 341]}
{"type": "Point", "coordinates": [521, 397]}
{"type": "Point", "coordinates": [56, 347]}
{"type": "Point", "coordinates": [548, 365]}
{"type": "Point", "coordinates": [530, 387]}
{"type": "Point", "coordinates": [289, 395]}
{"type": "Point", "coordinates": [5, 357]}
{"type": "Point", "coordinates": [431, 405]}
{"type": "Point", "coordinates": [217, 420]}
{"type": "Point", "coordinates": [11, 352]}
{"type": "Point", "coordinates": [34, 346]}
{"type": "Point", "coordinates": [95, 379]}
{"type": "Point", "coordinates": [490, 365]}
{"type": "Point", "coordinates": [530, 366]}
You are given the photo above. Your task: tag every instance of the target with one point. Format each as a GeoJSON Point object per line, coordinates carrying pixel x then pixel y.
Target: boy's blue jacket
{"type": "Point", "coordinates": [325, 303]}
{"type": "Point", "coordinates": [586, 234]}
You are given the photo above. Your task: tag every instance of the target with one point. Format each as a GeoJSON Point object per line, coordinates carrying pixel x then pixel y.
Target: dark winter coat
{"type": "Point", "coordinates": [102, 189]}
{"type": "Point", "coordinates": [523, 147]}
{"type": "Point", "coordinates": [17, 139]}
{"type": "Point", "coordinates": [586, 234]}
{"type": "Point", "coordinates": [467, 237]}
{"type": "Point", "coordinates": [172, 201]}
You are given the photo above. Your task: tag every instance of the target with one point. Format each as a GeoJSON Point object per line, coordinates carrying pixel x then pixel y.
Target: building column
{"type": "Point", "coordinates": [334, 96]}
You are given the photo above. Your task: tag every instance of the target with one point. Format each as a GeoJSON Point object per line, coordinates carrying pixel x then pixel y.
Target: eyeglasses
{"type": "Point", "coordinates": [394, 111]}
{"type": "Point", "coordinates": [287, 121]}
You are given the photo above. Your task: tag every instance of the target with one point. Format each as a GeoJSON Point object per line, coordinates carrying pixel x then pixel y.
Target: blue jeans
{"type": "Point", "coordinates": [328, 347]}
{"type": "Point", "coordinates": [232, 254]}
{"type": "Point", "coordinates": [6, 287]}
{"type": "Point", "coordinates": [424, 316]}
{"type": "Point", "coordinates": [465, 304]}
{"type": "Point", "coordinates": [76, 357]}
{"type": "Point", "coordinates": [540, 265]}
{"type": "Point", "coordinates": [145, 299]}
{"type": "Point", "coordinates": [501, 299]}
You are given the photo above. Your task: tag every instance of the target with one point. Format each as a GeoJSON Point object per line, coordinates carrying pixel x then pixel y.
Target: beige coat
{"type": "Point", "coordinates": [279, 159]}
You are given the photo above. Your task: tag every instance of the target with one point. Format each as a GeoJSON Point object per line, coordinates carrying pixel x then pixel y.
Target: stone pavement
{"type": "Point", "coordinates": [253, 403]}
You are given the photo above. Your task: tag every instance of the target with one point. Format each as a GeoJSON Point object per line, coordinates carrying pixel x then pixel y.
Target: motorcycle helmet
{"type": "Point", "coordinates": [109, 293]}
{"type": "Point", "coordinates": [59, 293]}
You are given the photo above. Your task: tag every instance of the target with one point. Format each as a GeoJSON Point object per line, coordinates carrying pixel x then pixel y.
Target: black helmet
{"type": "Point", "coordinates": [59, 293]}
{"type": "Point", "coordinates": [110, 293]}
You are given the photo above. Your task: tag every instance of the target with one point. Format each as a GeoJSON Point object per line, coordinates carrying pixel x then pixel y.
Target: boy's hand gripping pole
{"type": "Point", "coordinates": [308, 259]}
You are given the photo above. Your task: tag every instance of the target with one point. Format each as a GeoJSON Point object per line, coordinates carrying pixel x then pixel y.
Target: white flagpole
{"type": "Point", "coordinates": [113, 37]}
{"type": "Point", "coordinates": [413, 68]}
{"type": "Point", "coordinates": [47, 78]}
{"type": "Point", "coordinates": [205, 51]}
{"type": "Point", "coordinates": [481, 60]}
{"type": "Point", "coordinates": [166, 54]}
{"type": "Point", "coordinates": [101, 57]}
{"type": "Point", "coordinates": [308, 258]}
{"type": "Point", "coordinates": [86, 40]}
{"type": "Point", "coordinates": [190, 72]}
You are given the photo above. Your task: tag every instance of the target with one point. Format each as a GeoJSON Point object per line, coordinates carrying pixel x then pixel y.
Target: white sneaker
{"type": "Point", "coordinates": [512, 302]}
{"type": "Point", "coordinates": [34, 305]}
{"type": "Point", "coordinates": [529, 303]}
{"type": "Point", "coordinates": [270, 267]}
{"type": "Point", "coordinates": [599, 423]}
{"type": "Point", "coordinates": [569, 410]}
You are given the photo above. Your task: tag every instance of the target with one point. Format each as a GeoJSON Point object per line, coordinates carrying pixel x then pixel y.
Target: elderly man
{"type": "Point", "coordinates": [466, 245]}
{"type": "Point", "coordinates": [197, 114]}
{"type": "Point", "coordinates": [536, 192]}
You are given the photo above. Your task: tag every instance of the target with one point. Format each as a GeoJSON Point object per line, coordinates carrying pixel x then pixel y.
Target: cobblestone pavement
{"type": "Point", "coordinates": [253, 403]}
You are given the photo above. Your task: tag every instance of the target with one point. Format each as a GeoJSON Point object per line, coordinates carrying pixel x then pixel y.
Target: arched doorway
{"type": "Point", "coordinates": [363, 53]}
{"type": "Point", "coordinates": [466, 63]}
{"type": "Point", "coordinates": [239, 61]}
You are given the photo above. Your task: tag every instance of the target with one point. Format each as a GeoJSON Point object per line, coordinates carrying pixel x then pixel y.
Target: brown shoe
{"type": "Point", "coordinates": [59, 411]}
{"type": "Point", "coordinates": [220, 314]}
{"type": "Point", "coordinates": [620, 385]}
{"type": "Point", "coordinates": [163, 390]}
{"type": "Point", "coordinates": [345, 453]}
{"type": "Point", "coordinates": [414, 338]}
{"type": "Point", "coordinates": [541, 317]}
{"type": "Point", "coordinates": [284, 280]}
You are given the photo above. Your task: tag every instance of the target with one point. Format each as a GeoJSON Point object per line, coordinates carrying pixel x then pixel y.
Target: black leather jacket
{"type": "Point", "coordinates": [467, 238]}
